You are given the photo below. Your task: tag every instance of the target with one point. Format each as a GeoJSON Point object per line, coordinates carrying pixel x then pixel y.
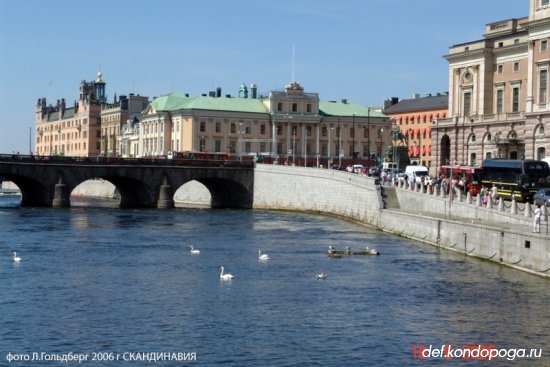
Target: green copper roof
{"type": "Point", "coordinates": [347, 109]}
{"type": "Point", "coordinates": [169, 102]}
{"type": "Point", "coordinates": [175, 101]}
{"type": "Point", "coordinates": [226, 104]}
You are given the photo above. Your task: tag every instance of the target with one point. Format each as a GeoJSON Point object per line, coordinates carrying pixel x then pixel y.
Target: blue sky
{"type": "Point", "coordinates": [363, 50]}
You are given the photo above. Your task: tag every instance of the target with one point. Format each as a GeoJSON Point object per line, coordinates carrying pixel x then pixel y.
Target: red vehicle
{"type": "Point", "coordinates": [471, 175]}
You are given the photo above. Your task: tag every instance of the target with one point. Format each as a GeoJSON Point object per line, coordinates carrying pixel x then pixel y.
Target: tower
{"type": "Point", "coordinates": [100, 88]}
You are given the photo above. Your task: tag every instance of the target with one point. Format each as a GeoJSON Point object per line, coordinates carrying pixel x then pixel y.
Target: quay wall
{"type": "Point", "coordinates": [317, 190]}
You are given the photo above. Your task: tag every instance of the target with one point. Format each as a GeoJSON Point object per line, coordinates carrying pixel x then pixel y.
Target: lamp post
{"type": "Point", "coordinates": [30, 140]}
{"type": "Point", "coordinates": [339, 144]}
{"type": "Point", "coordinates": [353, 141]}
{"type": "Point", "coordinates": [368, 134]}
{"type": "Point", "coordinates": [240, 141]}
{"type": "Point", "coordinates": [329, 158]}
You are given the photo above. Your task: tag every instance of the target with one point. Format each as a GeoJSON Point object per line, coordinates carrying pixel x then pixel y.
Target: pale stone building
{"type": "Point", "coordinates": [91, 127]}
{"type": "Point", "coordinates": [290, 126]}
{"type": "Point", "coordinates": [498, 93]}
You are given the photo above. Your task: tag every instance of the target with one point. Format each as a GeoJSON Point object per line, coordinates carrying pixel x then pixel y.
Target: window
{"type": "Point", "coordinates": [543, 85]}
{"type": "Point", "coordinates": [202, 126]}
{"type": "Point", "coordinates": [516, 67]}
{"type": "Point", "coordinates": [515, 99]}
{"type": "Point", "coordinates": [323, 131]}
{"type": "Point", "coordinates": [279, 106]}
{"type": "Point", "coordinates": [500, 69]}
{"type": "Point", "coordinates": [308, 107]}
{"type": "Point", "coordinates": [473, 159]}
{"type": "Point", "coordinates": [294, 107]}
{"type": "Point", "coordinates": [217, 146]}
{"type": "Point", "coordinates": [516, 41]}
{"type": "Point", "coordinates": [499, 100]}
{"type": "Point", "coordinates": [467, 103]}
{"type": "Point", "coordinates": [218, 128]}
{"type": "Point", "coordinates": [544, 2]}
{"type": "Point", "coordinates": [233, 128]}
{"type": "Point", "coordinates": [262, 129]}
{"type": "Point", "coordinates": [543, 45]}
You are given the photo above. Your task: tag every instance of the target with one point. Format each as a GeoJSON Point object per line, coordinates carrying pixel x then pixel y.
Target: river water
{"type": "Point", "coordinates": [122, 285]}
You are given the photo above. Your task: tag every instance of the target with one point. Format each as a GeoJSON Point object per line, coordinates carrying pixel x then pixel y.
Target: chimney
{"type": "Point", "coordinates": [344, 101]}
{"type": "Point", "coordinates": [416, 95]}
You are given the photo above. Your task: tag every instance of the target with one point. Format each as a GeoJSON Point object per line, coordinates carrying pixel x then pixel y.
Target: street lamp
{"type": "Point", "coordinates": [339, 144]}
{"type": "Point", "coordinates": [329, 157]}
{"type": "Point", "coordinates": [240, 141]}
{"type": "Point", "coordinates": [353, 141]}
{"type": "Point", "coordinates": [368, 134]}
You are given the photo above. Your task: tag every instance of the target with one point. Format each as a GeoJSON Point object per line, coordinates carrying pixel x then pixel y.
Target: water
{"type": "Point", "coordinates": [105, 280]}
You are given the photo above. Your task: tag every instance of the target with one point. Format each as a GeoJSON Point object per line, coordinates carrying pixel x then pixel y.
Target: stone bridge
{"type": "Point", "coordinates": [146, 183]}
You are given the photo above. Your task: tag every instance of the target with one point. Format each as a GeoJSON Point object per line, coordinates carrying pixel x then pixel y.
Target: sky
{"type": "Point", "coordinates": [365, 51]}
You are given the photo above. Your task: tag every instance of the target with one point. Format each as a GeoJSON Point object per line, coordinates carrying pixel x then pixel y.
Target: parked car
{"type": "Point", "coordinates": [542, 197]}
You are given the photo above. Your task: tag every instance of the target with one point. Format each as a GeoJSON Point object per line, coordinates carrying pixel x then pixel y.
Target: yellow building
{"type": "Point", "coordinates": [291, 126]}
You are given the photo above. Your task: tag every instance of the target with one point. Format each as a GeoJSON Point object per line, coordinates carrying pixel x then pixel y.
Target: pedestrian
{"type": "Point", "coordinates": [536, 221]}
{"type": "Point", "coordinates": [494, 193]}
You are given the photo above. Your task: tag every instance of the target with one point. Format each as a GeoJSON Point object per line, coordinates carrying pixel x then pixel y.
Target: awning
{"type": "Point", "coordinates": [417, 131]}
{"type": "Point", "coordinates": [417, 150]}
{"type": "Point", "coordinates": [411, 151]}
{"type": "Point", "coordinates": [428, 131]}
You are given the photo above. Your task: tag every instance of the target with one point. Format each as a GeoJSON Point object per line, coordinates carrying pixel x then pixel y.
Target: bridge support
{"type": "Point", "coordinates": [166, 195]}
{"type": "Point", "coordinates": [61, 196]}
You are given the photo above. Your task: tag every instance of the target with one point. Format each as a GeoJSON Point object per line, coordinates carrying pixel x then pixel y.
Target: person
{"type": "Point", "coordinates": [536, 221]}
{"type": "Point", "coordinates": [494, 193]}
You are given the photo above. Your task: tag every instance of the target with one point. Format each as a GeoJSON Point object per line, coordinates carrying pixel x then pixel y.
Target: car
{"type": "Point", "coordinates": [542, 197]}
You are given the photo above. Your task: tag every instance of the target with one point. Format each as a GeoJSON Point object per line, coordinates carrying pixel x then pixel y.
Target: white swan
{"type": "Point", "coordinates": [321, 276]}
{"type": "Point", "coordinates": [371, 251]}
{"type": "Point", "coordinates": [263, 257]}
{"type": "Point", "coordinates": [225, 276]}
{"type": "Point", "coordinates": [194, 252]}
{"type": "Point", "coordinates": [16, 258]}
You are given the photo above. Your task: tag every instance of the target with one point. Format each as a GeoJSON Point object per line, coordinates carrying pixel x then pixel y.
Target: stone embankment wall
{"type": "Point", "coordinates": [317, 190]}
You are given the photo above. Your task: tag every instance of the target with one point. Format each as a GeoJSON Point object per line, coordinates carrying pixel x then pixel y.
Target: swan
{"type": "Point", "coordinates": [225, 276]}
{"type": "Point", "coordinates": [262, 256]}
{"type": "Point", "coordinates": [194, 252]}
{"type": "Point", "coordinates": [372, 251]}
{"type": "Point", "coordinates": [321, 276]}
{"type": "Point", "coordinates": [16, 258]}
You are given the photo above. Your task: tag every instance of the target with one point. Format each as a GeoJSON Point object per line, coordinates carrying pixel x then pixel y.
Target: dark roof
{"type": "Point", "coordinates": [419, 104]}
{"type": "Point", "coordinates": [54, 116]}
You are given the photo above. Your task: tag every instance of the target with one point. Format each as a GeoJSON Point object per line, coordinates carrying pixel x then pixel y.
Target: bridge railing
{"type": "Point", "coordinates": [156, 161]}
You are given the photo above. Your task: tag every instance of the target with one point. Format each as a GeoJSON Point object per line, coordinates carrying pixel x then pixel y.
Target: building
{"type": "Point", "coordinates": [113, 116]}
{"type": "Point", "coordinates": [498, 93]}
{"type": "Point", "coordinates": [90, 127]}
{"type": "Point", "coordinates": [291, 126]}
{"type": "Point", "coordinates": [413, 119]}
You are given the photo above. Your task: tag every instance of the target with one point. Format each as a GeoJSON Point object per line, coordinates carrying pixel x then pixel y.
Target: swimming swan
{"type": "Point", "coordinates": [16, 258]}
{"type": "Point", "coordinates": [263, 257]}
{"type": "Point", "coordinates": [194, 252]}
{"type": "Point", "coordinates": [225, 276]}
{"type": "Point", "coordinates": [321, 276]}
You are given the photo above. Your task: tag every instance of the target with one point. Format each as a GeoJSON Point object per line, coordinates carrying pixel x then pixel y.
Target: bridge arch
{"type": "Point", "coordinates": [49, 181]}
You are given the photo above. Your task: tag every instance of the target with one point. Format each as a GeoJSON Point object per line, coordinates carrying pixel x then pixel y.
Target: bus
{"type": "Point", "coordinates": [515, 178]}
{"type": "Point", "coordinates": [470, 174]}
